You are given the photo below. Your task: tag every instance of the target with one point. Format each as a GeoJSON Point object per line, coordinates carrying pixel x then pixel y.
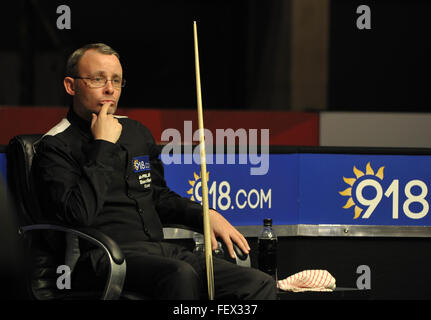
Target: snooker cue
{"type": "Point", "coordinates": [207, 227]}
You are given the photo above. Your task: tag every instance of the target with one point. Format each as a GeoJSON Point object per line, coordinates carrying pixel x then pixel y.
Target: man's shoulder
{"type": "Point", "coordinates": [57, 136]}
{"type": "Point", "coordinates": [59, 128]}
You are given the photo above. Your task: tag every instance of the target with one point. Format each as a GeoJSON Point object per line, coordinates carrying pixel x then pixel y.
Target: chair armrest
{"type": "Point", "coordinates": [117, 271]}
{"type": "Point", "coordinates": [113, 248]}
{"type": "Point", "coordinates": [239, 253]}
{"type": "Point", "coordinates": [242, 258]}
{"type": "Point", "coordinates": [94, 236]}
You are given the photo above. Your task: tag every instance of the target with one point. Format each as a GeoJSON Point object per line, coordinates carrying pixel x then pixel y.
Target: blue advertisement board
{"type": "Point", "coordinates": [312, 188]}
{"type": "Point", "coordinates": [3, 166]}
{"type": "Point", "coordinates": [244, 199]}
{"type": "Point", "coordinates": [365, 189]}
{"type": "Point", "coordinates": [390, 190]}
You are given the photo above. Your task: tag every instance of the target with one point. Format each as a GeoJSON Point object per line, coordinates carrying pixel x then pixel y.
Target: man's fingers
{"type": "Point", "coordinates": [229, 245]}
{"type": "Point", "coordinates": [228, 234]}
{"type": "Point", "coordinates": [240, 241]}
{"type": "Point", "coordinates": [214, 243]}
{"type": "Point", "coordinates": [104, 110]}
{"type": "Point", "coordinates": [244, 242]}
{"type": "Point", "coordinates": [93, 119]}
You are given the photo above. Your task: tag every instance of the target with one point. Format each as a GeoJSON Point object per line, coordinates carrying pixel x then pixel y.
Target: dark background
{"type": "Point", "coordinates": [382, 69]}
{"type": "Point", "coordinates": [386, 68]}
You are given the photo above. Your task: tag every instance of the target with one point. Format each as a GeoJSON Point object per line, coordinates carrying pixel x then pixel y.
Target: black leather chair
{"type": "Point", "coordinates": [52, 245]}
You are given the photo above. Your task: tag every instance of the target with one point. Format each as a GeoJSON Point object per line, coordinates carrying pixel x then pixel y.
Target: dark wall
{"type": "Point", "coordinates": [386, 68]}
{"type": "Point", "coordinates": [155, 41]}
{"type": "Point", "coordinates": [382, 69]}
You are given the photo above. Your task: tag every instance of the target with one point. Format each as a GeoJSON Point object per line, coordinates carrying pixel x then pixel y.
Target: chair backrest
{"type": "Point", "coordinates": [13, 265]}
{"type": "Point", "coordinates": [20, 153]}
{"type": "Point", "coordinates": [44, 259]}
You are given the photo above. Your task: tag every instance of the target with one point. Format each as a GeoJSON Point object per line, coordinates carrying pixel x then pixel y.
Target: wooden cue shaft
{"type": "Point", "coordinates": [204, 186]}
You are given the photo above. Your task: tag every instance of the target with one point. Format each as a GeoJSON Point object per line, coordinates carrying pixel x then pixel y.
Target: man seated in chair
{"type": "Point", "coordinates": [85, 175]}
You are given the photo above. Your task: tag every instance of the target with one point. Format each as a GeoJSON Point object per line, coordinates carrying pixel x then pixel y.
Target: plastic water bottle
{"type": "Point", "coordinates": [267, 249]}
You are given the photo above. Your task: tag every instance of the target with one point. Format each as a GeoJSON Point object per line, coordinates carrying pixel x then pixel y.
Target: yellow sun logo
{"type": "Point", "coordinates": [194, 185]}
{"type": "Point", "coordinates": [351, 182]}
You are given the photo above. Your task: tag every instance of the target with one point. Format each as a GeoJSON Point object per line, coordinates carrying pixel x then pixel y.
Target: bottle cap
{"type": "Point", "coordinates": [267, 222]}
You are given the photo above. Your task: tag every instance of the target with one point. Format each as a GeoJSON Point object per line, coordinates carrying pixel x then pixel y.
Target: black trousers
{"type": "Point", "coordinates": [165, 271]}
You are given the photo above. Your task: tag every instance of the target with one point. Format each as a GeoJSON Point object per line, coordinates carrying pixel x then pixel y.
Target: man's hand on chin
{"type": "Point", "coordinates": [104, 126]}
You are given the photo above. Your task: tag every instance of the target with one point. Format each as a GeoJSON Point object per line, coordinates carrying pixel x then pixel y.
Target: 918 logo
{"type": "Point", "coordinates": [415, 206]}
{"type": "Point", "coordinates": [221, 195]}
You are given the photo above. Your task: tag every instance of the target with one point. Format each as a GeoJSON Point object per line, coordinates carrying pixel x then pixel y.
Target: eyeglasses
{"type": "Point", "coordinates": [100, 82]}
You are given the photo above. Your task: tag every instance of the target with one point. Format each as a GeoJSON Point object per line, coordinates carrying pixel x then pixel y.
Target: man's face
{"type": "Point", "coordinates": [86, 98]}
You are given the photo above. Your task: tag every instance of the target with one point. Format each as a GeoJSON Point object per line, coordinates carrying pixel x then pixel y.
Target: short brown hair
{"type": "Point", "coordinates": [73, 60]}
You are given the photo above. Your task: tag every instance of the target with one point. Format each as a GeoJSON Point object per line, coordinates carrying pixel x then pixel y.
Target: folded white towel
{"type": "Point", "coordinates": [308, 280]}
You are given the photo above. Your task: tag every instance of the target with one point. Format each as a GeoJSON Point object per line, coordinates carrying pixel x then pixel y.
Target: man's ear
{"type": "Point", "coordinates": [69, 85]}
